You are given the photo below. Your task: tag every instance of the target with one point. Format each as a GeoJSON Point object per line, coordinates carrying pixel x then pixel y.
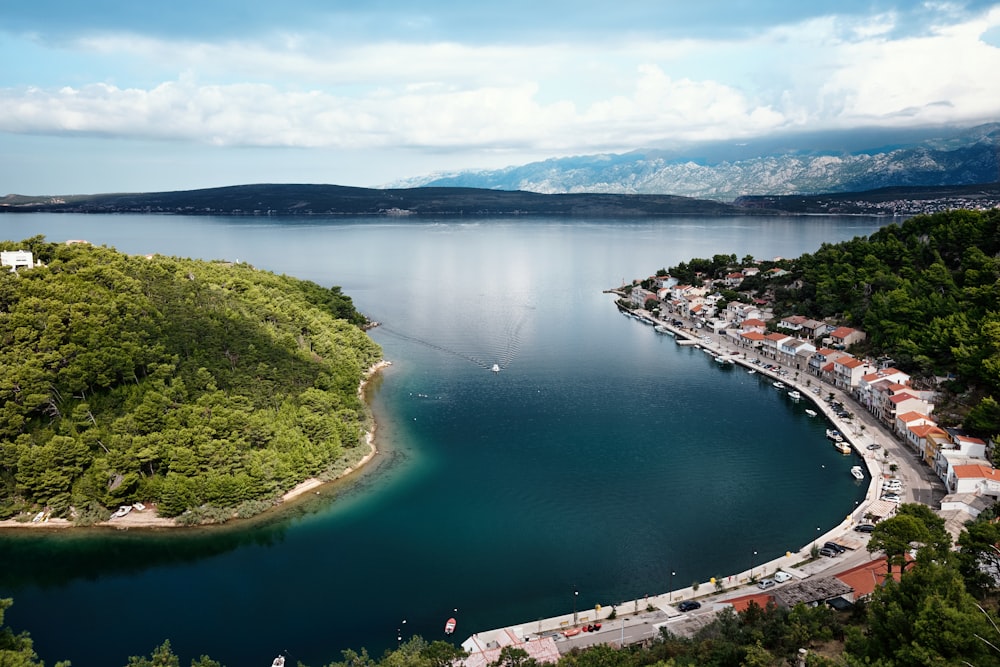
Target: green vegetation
{"type": "Point", "coordinates": [925, 291]}
{"type": "Point", "coordinates": [184, 383]}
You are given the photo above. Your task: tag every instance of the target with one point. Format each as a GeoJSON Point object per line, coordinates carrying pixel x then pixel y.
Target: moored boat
{"type": "Point", "coordinates": [834, 435]}
{"type": "Point", "coordinates": [496, 368]}
{"type": "Point", "coordinates": [842, 447]}
{"type": "Point", "coordinates": [811, 413]}
{"type": "Point", "coordinates": [858, 472]}
{"type": "Point", "coordinates": [449, 627]}
{"type": "Point", "coordinates": [794, 395]}
{"type": "Point", "coordinates": [779, 384]}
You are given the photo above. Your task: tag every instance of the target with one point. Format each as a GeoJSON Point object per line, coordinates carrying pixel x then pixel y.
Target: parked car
{"type": "Point", "coordinates": [836, 547]}
{"type": "Point", "coordinates": [828, 552]}
{"type": "Point", "coordinates": [688, 605]}
{"type": "Point", "coordinates": [764, 584]}
{"type": "Point", "coordinates": [864, 528]}
{"type": "Point", "coordinates": [781, 577]}
{"type": "Point", "coordinates": [892, 498]}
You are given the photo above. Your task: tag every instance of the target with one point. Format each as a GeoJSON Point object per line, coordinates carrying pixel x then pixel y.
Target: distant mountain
{"type": "Point", "coordinates": [788, 165]}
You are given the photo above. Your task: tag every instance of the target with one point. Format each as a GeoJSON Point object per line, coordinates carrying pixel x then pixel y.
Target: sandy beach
{"type": "Point", "coordinates": [147, 518]}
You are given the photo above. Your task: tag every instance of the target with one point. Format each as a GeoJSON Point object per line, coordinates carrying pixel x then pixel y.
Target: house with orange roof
{"type": "Point", "coordinates": [792, 322]}
{"type": "Point", "coordinates": [754, 324]}
{"type": "Point", "coordinates": [848, 371]}
{"type": "Point", "coordinates": [982, 479]}
{"type": "Point", "coordinates": [822, 357]}
{"type": "Point", "coordinates": [771, 342]}
{"type": "Point", "coordinates": [935, 440]}
{"type": "Point", "coordinates": [751, 339]}
{"type": "Point", "coordinates": [916, 429]}
{"type": "Point", "coordinates": [844, 337]}
{"type": "Point", "coordinates": [733, 279]}
{"type": "Point", "coordinates": [865, 578]}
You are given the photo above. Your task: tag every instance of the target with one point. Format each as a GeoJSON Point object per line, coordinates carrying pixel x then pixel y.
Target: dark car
{"type": "Point", "coordinates": [864, 528]}
{"type": "Point", "coordinates": [828, 552]}
{"type": "Point", "coordinates": [836, 547]}
{"type": "Point", "coordinates": [689, 605]}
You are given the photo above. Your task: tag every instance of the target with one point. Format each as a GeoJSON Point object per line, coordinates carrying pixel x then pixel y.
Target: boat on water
{"type": "Point", "coordinates": [496, 368]}
{"type": "Point", "coordinates": [858, 472]}
{"type": "Point", "coordinates": [834, 435]}
{"type": "Point", "coordinates": [449, 627]}
{"type": "Point", "coordinates": [793, 394]}
{"type": "Point", "coordinates": [279, 661]}
{"type": "Point", "coordinates": [779, 384]}
{"type": "Point", "coordinates": [811, 413]}
{"type": "Point", "coordinates": [751, 372]}
{"type": "Point", "coordinates": [842, 447]}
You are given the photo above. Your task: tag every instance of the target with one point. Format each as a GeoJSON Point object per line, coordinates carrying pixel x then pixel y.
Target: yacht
{"type": "Point", "coordinates": [858, 472]}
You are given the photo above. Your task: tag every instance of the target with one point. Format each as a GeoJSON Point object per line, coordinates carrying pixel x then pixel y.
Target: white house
{"type": "Point", "coordinates": [17, 259]}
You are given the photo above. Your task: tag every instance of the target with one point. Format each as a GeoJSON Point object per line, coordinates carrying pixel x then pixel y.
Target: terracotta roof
{"type": "Point", "coordinates": [865, 578]}
{"type": "Point", "coordinates": [976, 472]}
{"type": "Point", "coordinates": [912, 415]}
{"type": "Point", "coordinates": [902, 396]}
{"type": "Point", "coordinates": [841, 332]}
{"type": "Point", "coordinates": [849, 362]}
{"type": "Point", "coordinates": [969, 439]}
{"type": "Point", "coordinates": [754, 322]}
{"type": "Point", "coordinates": [753, 335]}
{"type": "Point", "coordinates": [741, 603]}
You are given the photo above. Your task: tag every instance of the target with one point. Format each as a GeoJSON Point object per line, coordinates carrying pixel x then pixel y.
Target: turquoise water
{"type": "Point", "coordinates": [601, 458]}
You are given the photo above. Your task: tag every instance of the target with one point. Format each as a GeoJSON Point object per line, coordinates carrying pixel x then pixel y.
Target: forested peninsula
{"type": "Point", "coordinates": [202, 389]}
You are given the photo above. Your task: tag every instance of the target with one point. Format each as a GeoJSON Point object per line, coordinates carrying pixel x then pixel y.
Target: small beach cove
{"type": "Point", "coordinates": [141, 516]}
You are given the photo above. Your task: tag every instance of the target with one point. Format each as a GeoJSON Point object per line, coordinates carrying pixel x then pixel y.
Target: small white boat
{"type": "Point", "coordinates": [121, 511]}
{"type": "Point", "coordinates": [279, 661]}
{"type": "Point", "coordinates": [834, 435]}
{"type": "Point", "coordinates": [449, 627]}
{"type": "Point", "coordinates": [496, 368]}
{"type": "Point", "coordinates": [779, 385]}
{"type": "Point", "coordinates": [811, 413]}
{"type": "Point", "coordinates": [858, 472]}
{"type": "Point", "coordinates": [794, 395]}
{"type": "Point", "coordinates": [842, 447]}
{"type": "Point", "coordinates": [751, 372]}
{"type": "Point", "coordinates": [138, 507]}
{"type": "Point", "coordinates": [38, 517]}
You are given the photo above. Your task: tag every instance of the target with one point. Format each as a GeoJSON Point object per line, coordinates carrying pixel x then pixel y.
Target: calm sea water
{"type": "Point", "coordinates": [599, 460]}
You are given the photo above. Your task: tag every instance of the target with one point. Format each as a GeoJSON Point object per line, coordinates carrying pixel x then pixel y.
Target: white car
{"type": "Point", "coordinates": [781, 577]}
{"type": "Point", "coordinates": [891, 497]}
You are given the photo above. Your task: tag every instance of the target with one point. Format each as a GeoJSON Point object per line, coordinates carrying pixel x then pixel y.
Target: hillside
{"type": "Point", "coordinates": [790, 165]}
{"type": "Point", "coordinates": [184, 383]}
{"type": "Point", "coordinates": [337, 200]}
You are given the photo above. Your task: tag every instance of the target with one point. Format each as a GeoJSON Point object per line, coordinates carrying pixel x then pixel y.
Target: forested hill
{"type": "Point", "coordinates": [333, 200]}
{"type": "Point", "coordinates": [185, 383]}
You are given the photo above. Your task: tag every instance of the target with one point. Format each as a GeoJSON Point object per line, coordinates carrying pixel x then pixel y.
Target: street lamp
{"type": "Point", "coordinates": [752, 559]}
{"type": "Point", "coordinates": [670, 593]}
{"type": "Point", "coordinates": [575, 594]}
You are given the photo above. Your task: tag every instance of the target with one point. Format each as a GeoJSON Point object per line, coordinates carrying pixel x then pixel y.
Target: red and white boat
{"type": "Point", "coordinates": [449, 627]}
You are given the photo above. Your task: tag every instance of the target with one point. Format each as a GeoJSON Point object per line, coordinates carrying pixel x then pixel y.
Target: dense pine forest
{"type": "Point", "coordinates": [197, 386]}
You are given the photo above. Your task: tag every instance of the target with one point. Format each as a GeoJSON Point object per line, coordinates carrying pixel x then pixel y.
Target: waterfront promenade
{"type": "Point", "coordinates": [634, 621]}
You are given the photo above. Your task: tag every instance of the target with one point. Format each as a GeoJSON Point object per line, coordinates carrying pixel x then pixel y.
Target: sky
{"type": "Point", "coordinates": [126, 96]}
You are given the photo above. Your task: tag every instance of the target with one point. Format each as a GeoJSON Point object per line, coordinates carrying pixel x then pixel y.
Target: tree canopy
{"type": "Point", "coordinates": [179, 382]}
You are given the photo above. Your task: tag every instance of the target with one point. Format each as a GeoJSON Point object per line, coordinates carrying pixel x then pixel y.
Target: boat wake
{"type": "Point", "coordinates": [503, 343]}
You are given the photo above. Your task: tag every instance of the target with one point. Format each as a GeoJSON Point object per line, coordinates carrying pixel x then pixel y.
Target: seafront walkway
{"type": "Point", "coordinates": [635, 621]}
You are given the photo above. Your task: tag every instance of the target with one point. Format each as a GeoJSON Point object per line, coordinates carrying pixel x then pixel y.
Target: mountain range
{"type": "Point", "coordinates": [792, 164]}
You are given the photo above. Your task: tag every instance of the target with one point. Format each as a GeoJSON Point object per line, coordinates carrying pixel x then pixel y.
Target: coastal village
{"type": "Point", "coordinates": [877, 415]}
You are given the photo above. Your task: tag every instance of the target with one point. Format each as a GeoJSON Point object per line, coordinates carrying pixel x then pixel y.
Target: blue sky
{"type": "Point", "coordinates": [112, 96]}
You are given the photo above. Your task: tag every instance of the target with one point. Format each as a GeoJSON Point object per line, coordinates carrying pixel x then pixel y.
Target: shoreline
{"type": "Point", "coordinates": [147, 518]}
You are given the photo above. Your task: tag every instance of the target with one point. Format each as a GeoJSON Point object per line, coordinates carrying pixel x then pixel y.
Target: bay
{"type": "Point", "coordinates": [599, 460]}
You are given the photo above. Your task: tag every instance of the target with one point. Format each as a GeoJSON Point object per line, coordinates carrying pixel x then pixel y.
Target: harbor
{"type": "Point", "coordinates": [636, 621]}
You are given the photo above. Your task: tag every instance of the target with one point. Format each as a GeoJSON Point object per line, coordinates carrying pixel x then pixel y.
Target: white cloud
{"type": "Point", "coordinates": [299, 90]}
